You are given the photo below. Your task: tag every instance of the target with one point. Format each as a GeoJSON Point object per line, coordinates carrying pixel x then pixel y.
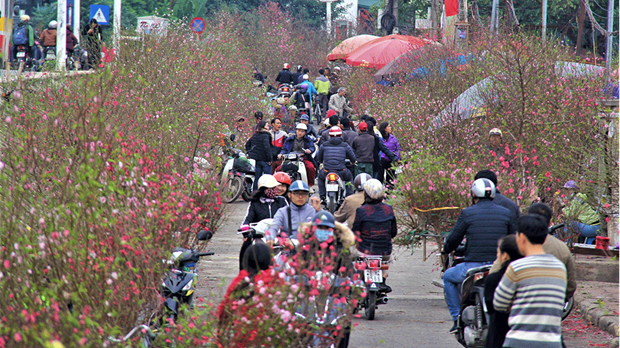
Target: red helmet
{"type": "Point", "coordinates": [282, 178]}
{"type": "Point", "coordinates": [286, 66]}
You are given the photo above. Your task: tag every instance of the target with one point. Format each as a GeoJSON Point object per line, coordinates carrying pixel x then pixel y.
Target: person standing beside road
{"type": "Point", "coordinates": [258, 148]}
{"type": "Point", "coordinates": [339, 103]}
{"type": "Point", "coordinates": [333, 155]}
{"type": "Point", "coordinates": [93, 38]}
{"type": "Point", "coordinates": [483, 223]}
{"type": "Point", "coordinates": [348, 134]}
{"type": "Point", "coordinates": [71, 41]}
{"type": "Point", "coordinates": [300, 78]}
{"type": "Point", "coordinates": [346, 212]}
{"type": "Point", "coordinates": [579, 215]}
{"type": "Point", "coordinates": [507, 251]}
{"type": "Point", "coordinates": [385, 170]}
{"type": "Point", "coordinates": [277, 141]}
{"type": "Point", "coordinates": [532, 290]}
{"type": "Point", "coordinates": [322, 85]}
{"type": "Point", "coordinates": [333, 121]}
{"type": "Point", "coordinates": [379, 147]}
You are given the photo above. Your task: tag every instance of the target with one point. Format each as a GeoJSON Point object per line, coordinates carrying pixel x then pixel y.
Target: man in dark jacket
{"type": "Point", "coordinates": [367, 146]}
{"type": "Point", "coordinates": [499, 198]}
{"type": "Point", "coordinates": [483, 224]}
{"type": "Point", "coordinates": [333, 122]}
{"type": "Point", "coordinates": [348, 134]}
{"type": "Point", "coordinates": [297, 74]}
{"type": "Point", "coordinates": [379, 147]}
{"type": "Point", "coordinates": [305, 119]}
{"type": "Point", "coordinates": [301, 143]}
{"type": "Point", "coordinates": [333, 155]}
{"type": "Point", "coordinates": [285, 75]}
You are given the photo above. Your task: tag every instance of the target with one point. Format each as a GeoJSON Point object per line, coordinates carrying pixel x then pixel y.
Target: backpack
{"type": "Point", "coordinates": [20, 35]}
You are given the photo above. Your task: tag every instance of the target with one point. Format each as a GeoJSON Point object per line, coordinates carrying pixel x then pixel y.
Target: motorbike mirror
{"type": "Point", "coordinates": [204, 235]}
{"type": "Point", "coordinates": [233, 137]}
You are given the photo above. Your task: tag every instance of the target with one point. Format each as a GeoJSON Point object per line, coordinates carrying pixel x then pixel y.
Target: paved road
{"type": "Point", "coordinates": [416, 315]}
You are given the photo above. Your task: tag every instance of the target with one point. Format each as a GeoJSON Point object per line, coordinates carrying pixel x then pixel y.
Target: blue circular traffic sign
{"type": "Point", "coordinates": [197, 25]}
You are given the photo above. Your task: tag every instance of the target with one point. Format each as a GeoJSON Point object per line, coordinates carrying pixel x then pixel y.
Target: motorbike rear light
{"type": "Point", "coordinates": [374, 264]}
{"type": "Point", "coordinates": [333, 177]}
{"type": "Point", "coordinates": [385, 266]}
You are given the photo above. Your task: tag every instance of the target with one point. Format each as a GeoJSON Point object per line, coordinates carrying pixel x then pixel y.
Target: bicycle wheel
{"type": "Point", "coordinates": [318, 114]}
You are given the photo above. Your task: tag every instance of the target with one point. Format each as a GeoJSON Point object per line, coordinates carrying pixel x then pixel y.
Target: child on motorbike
{"type": "Point", "coordinates": [375, 225]}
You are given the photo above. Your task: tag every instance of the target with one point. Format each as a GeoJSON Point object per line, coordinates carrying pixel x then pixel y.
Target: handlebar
{"type": "Point", "coordinates": [552, 229]}
{"type": "Point", "coordinates": [209, 253]}
{"type": "Point", "coordinates": [145, 328]}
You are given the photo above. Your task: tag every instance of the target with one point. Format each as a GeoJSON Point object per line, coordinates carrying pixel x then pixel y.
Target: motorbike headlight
{"type": "Point", "coordinates": [188, 286]}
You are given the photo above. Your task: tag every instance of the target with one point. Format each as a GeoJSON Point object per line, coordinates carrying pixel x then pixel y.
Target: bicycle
{"type": "Point", "coordinates": [317, 113]}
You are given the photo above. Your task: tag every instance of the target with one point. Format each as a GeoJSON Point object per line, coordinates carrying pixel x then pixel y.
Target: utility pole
{"type": "Point", "coordinates": [544, 20]}
{"type": "Point", "coordinates": [610, 29]}
{"type": "Point", "coordinates": [61, 36]}
{"type": "Point", "coordinates": [495, 18]}
{"type": "Point", "coordinates": [328, 15]}
{"type": "Point", "coordinates": [77, 18]}
{"type": "Point", "coordinates": [435, 6]}
{"type": "Point", "coordinates": [117, 24]}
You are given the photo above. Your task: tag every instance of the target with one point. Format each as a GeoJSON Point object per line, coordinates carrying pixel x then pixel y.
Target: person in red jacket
{"type": "Point", "coordinates": [72, 41]}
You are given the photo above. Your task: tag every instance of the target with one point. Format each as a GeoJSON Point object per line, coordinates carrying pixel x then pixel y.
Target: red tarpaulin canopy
{"type": "Point", "coordinates": [379, 52]}
{"type": "Point", "coordinates": [349, 45]}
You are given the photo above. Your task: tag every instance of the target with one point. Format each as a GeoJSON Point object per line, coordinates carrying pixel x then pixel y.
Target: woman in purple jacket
{"type": "Point", "coordinates": [391, 143]}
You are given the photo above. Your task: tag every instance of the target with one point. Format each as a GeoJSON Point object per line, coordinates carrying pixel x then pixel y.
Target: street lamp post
{"type": "Point", "coordinates": [328, 17]}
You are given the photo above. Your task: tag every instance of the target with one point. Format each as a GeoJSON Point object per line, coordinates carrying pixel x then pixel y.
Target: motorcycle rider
{"type": "Point", "coordinates": [23, 35]}
{"type": "Point", "coordinates": [499, 198]}
{"type": "Point", "coordinates": [48, 37]}
{"type": "Point", "coordinates": [285, 75]}
{"type": "Point", "coordinates": [375, 225]}
{"type": "Point", "coordinates": [333, 121]}
{"type": "Point", "coordinates": [333, 154]}
{"type": "Point", "coordinates": [305, 119]}
{"type": "Point", "coordinates": [284, 181]}
{"type": "Point", "coordinates": [264, 204]}
{"type": "Point", "coordinates": [301, 143]}
{"type": "Point", "coordinates": [299, 211]}
{"type": "Point", "coordinates": [346, 212]}
{"type": "Point", "coordinates": [71, 41]}
{"type": "Point", "coordinates": [483, 223]}
{"type": "Point", "coordinates": [297, 74]}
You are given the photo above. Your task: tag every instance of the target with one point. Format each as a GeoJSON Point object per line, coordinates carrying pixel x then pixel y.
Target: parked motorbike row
{"type": "Point", "coordinates": [26, 62]}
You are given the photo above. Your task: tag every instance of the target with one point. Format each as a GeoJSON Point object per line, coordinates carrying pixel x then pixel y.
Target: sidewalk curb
{"type": "Point", "coordinates": [592, 312]}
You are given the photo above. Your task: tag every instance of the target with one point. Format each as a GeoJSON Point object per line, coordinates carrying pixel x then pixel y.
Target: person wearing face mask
{"type": "Point", "coordinates": [288, 218]}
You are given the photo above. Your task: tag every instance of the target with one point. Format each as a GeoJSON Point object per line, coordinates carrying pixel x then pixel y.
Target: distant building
{"type": "Point", "coordinates": [356, 19]}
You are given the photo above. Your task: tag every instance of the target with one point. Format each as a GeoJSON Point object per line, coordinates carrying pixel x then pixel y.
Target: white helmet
{"type": "Point", "coordinates": [302, 126]}
{"type": "Point", "coordinates": [24, 18]}
{"type": "Point", "coordinates": [483, 188]}
{"type": "Point", "coordinates": [267, 181]}
{"type": "Point", "coordinates": [305, 77]}
{"type": "Point", "coordinates": [374, 189]}
{"type": "Point", "coordinates": [53, 25]}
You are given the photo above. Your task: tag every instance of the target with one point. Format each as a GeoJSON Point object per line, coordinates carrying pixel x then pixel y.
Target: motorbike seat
{"type": "Point", "coordinates": [474, 270]}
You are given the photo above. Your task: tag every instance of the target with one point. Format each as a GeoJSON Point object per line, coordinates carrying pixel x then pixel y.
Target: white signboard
{"type": "Point", "coordinates": [152, 25]}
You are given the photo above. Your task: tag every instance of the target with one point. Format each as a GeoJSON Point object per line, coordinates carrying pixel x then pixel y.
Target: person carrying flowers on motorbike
{"type": "Point", "coordinates": [375, 225]}
{"type": "Point", "coordinates": [284, 181]}
{"type": "Point", "coordinates": [264, 204]}
{"type": "Point", "coordinates": [580, 217]}
{"type": "Point", "coordinates": [287, 219]}
{"type": "Point", "coordinates": [302, 144]}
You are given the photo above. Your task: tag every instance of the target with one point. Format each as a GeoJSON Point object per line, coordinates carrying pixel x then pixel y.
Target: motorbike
{"type": "Point", "coordinates": [179, 284]}
{"type": "Point", "coordinates": [50, 53]}
{"type": "Point", "coordinates": [371, 267]}
{"type": "Point", "coordinates": [237, 175]}
{"type": "Point", "coordinates": [24, 61]}
{"type": "Point", "coordinates": [293, 165]}
{"type": "Point", "coordinates": [335, 190]}
{"type": "Point", "coordinates": [284, 90]}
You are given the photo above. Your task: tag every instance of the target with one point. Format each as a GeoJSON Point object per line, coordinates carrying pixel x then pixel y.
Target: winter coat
{"type": "Point", "coordinates": [287, 146]}
{"type": "Point", "coordinates": [579, 209]}
{"type": "Point", "coordinates": [285, 76]}
{"type": "Point", "coordinates": [380, 146]}
{"type": "Point", "coordinates": [349, 135]}
{"type": "Point", "coordinates": [277, 140]}
{"type": "Point", "coordinates": [364, 146]}
{"type": "Point", "coordinates": [322, 85]}
{"type": "Point", "coordinates": [48, 37]}
{"type": "Point", "coordinates": [508, 204]}
{"type": "Point", "coordinates": [258, 147]}
{"type": "Point", "coordinates": [483, 224]}
{"type": "Point", "coordinates": [311, 89]}
{"type": "Point", "coordinates": [392, 144]}
{"type": "Point", "coordinates": [347, 210]}
{"type": "Point", "coordinates": [376, 226]}
{"type": "Point", "coordinates": [334, 153]}
{"type": "Point", "coordinates": [339, 103]}
{"type": "Point", "coordinates": [299, 215]}
{"type": "Point", "coordinates": [263, 208]}
{"type": "Point", "coordinates": [72, 41]}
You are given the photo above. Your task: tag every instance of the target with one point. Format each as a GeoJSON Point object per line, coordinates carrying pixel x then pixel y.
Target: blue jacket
{"type": "Point", "coordinates": [333, 154]}
{"type": "Point", "coordinates": [483, 224]}
{"type": "Point", "coordinates": [311, 89]}
{"type": "Point", "coordinates": [302, 214]}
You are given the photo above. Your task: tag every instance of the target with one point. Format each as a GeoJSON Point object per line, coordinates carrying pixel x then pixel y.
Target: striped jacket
{"type": "Point", "coordinates": [533, 290]}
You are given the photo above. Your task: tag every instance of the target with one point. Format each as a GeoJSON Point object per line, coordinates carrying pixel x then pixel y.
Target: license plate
{"type": "Point", "coordinates": [21, 54]}
{"type": "Point", "coordinates": [374, 276]}
{"type": "Point", "coordinates": [332, 187]}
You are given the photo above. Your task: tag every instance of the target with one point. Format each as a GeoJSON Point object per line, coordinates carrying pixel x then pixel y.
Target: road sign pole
{"type": "Point", "coordinates": [61, 36]}
{"type": "Point", "coordinates": [76, 16]}
{"type": "Point", "coordinates": [117, 24]}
